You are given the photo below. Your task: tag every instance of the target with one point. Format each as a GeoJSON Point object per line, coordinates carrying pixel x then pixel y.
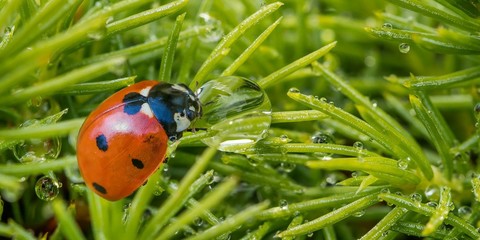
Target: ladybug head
{"type": "Point", "coordinates": [193, 106]}
{"type": "Point", "coordinates": [175, 106]}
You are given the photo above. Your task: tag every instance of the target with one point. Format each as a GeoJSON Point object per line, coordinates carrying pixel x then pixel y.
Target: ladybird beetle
{"type": "Point", "coordinates": [124, 140]}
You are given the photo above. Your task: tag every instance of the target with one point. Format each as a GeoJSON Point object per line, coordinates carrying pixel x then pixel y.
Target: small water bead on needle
{"type": "Point", "coordinates": [416, 197]}
{"type": "Point", "coordinates": [359, 213]}
{"type": "Point", "coordinates": [360, 150]}
{"type": "Point", "coordinates": [214, 28]}
{"type": "Point", "coordinates": [464, 212]}
{"type": "Point", "coordinates": [287, 167]}
{"type": "Point", "coordinates": [476, 111]}
{"type": "Point", "coordinates": [322, 138]}
{"type": "Point", "coordinates": [432, 192]}
{"type": "Point", "coordinates": [358, 146]}
{"type": "Point", "coordinates": [198, 222]}
{"type": "Point", "coordinates": [403, 164]}
{"type": "Point", "coordinates": [387, 26]}
{"type": "Point", "coordinates": [294, 90]}
{"type": "Point", "coordinates": [283, 204]}
{"type": "Point", "coordinates": [331, 179]}
{"type": "Point", "coordinates": [432, 204]}
{"type": "Point", "coordinates": [404, 47]}
{"type": "Point", "coordinates": [47, 188]}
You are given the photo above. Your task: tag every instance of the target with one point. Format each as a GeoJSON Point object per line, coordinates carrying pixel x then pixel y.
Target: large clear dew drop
{"type": "Point", "coordinates": [237, 109]}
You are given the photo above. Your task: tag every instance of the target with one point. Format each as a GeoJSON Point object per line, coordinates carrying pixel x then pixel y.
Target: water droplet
{"type": "Point", "coordinates": [385, 190]}
{"type": "Point", "coordinates": [354, 174]}
{"type": "Point", "coordinates": [283, 204]}
{"type": "Point", "coordinates": [359, 213]}
{"type": "Point", "coordinates": [402, 164]}
{"type": "Point", "coordinates": [331, 106]}
{"type": "Point", "coordinates": [47, 188]}
{"type": "Point", "coordinates": [294, 90]}
{"type": "Point", "coordinates": [158, 189]}
{"type": "Point", "coordinates": [165, 167]}
{"type": "Point", "coordinates": [238, 110]}
{"type": "Point", "coordinates": [322, 138]}
{"type": "Point", "coordinates": [98, 34]}
{"type": "Point", "coordinates": [253, 161]}
{"type": "Point", "coordinates": [287, 167]}
{"type": "Point", "coordinates": [451, 206]}
{"type": "Point", "coordinates": [477, 111]}
{"type": "Point", "coordinates": [404, 47]}
{"type": "Point", "coordinates": [198, 221]}
{"type": "Point", "coordinates": [416, 197]}
{"type": "Point", "coordinates": [214, 30]}
{"type": "Point", "coordinates": [464, 212]}
{"type": "Point", "coordinates": [37, 150]}
{"type": "Point", "coordinates": [214, 178]}
{"type": "Point", "coordinates": [432, 193]}
{"type": "Point", "coordinates": [358, 146]}
{"type": "Point", "coordinates": [387, 26]}
{"type": "Point", "coordinates": [432, 204]}
{"type": "Point", "coordinates": [331, 179]}
{"type": "Point", "coordinates": [284, 139]}
{"type": "Point", "coordinates": [110, 20]}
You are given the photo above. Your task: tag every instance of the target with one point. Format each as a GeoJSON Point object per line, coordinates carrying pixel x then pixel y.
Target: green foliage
{"type": "Point", "coordinates": [358, 119]}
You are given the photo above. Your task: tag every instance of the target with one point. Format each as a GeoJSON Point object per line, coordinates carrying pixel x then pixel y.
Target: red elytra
{"type": "Point", "coordinates": [125, 139]}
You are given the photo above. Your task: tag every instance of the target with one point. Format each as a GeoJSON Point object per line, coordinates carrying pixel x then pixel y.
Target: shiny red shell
{"type": "Point", "coordinates": [116, 151]}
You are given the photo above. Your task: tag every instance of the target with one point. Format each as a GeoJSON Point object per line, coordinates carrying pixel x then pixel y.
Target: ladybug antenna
{"type": "Point", "coordinates": [208, 103]}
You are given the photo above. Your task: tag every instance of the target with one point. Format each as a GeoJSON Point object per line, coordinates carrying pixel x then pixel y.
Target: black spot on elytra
{"type": "Point", "coordinates": [137, 163]}
{"type": "Point", "coordinates": [99, 188]}
{"type": "Point", "coordinates": [133, 103]}
{"type": "Point", "coordinates": [149, 139]}
{"type": "Point", "coordinates": [102, 143]}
